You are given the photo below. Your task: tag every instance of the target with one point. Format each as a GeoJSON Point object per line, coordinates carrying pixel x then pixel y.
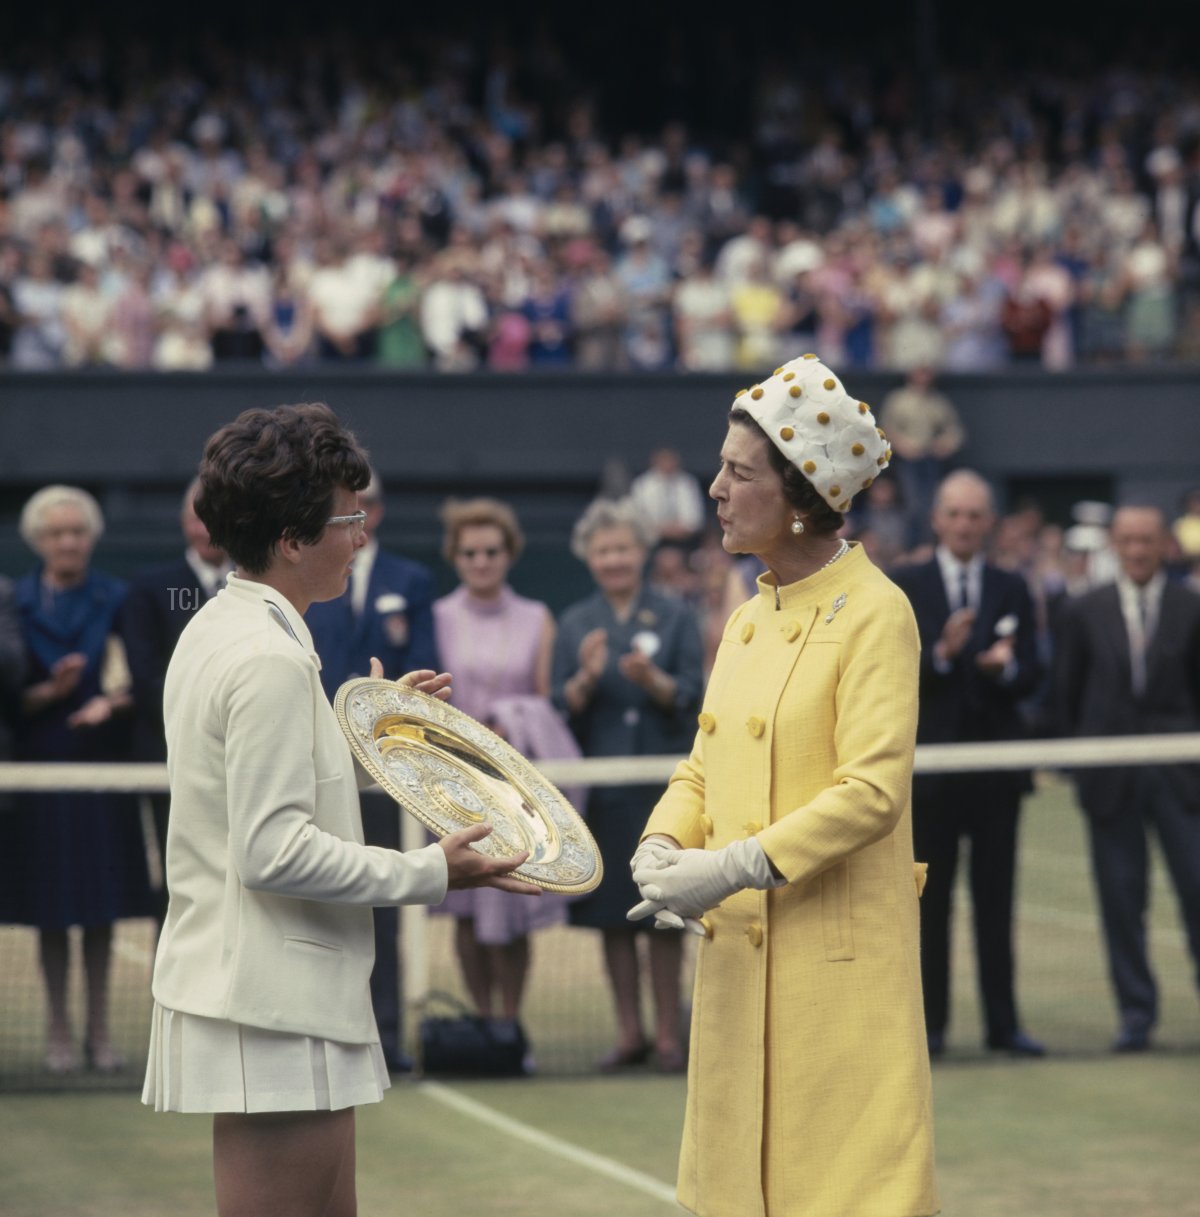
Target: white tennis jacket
{"type": "Point", "coordinates": [271, 886]}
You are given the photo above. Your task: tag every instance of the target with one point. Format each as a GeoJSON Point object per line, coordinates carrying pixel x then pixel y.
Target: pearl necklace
{"type": "Point", "coordinates": [841, 551]}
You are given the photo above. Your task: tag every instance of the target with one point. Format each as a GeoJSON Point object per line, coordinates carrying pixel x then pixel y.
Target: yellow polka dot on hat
{"type": "Point", "coordinates": [830, 436]}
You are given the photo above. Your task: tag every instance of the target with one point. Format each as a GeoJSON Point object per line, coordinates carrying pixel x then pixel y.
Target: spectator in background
{"type": "Point", "coordinates": [971, 320]}
{"type": "Point", "coordinates": [746, 249]}
{"type": "Point", "coordinates": [1148, 275]}
{"type": "Point", "coordinates": [162, 599]}
{"type": "Point", "coordinates": [38, 301]}
{"type": "Point", "coordinates": [668, 499]}
{"type": "Point", "coordinates": [1129, 664]}
{"type": "Point", "coordinates": [1101, 337]}
{"type": "Point", "coordinates": [85, 314]}
{"type": "Point", "coordinates": [385, 613]}
{"type": "Point", "coordinates": [135, 319]}
{"type": "Point", "coordinates": [1026, 317]}
{"type": "Point", "coordinates": [926, 434]}
{"type": "Point", "coordinates": [72, 859]}
{"type": "Point", "coordinates": [703, 317]}
{"type": "Point", "coordinates": [454, 315]}
{"type": "Point", "coordinates": [345, 305]}
{"type": "Point", "coordinates": [498, 646]}
{"type": "Point", "coordinates": [236, 298]}
{"type": "Point", "coordinates": [288, 331]}
{"type": "Point", "coordinates": [759, 313]}
{"type": "Point", "coordinates": [598, 315]}
{"type": "Point", "coordinates": [183, 343]}
{"type": "Point", "coordinates": [645, 281]}
{"type": "Point", "coordinates": [627, 672]}
{"type": "Point", "coordinates": [547, 309]}
{"type": "Point", "coordinates": [401, 347]}
{"type": "Point", "coordinates": [978, 662]}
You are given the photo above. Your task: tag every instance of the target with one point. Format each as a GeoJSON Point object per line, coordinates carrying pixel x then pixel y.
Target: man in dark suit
{"type": "Point", "coordinates": [978, 662]}
{"type": "Point", "coordinates": [386, 612]}
{"type": "Point", "coordinates": [1128, 663]}
{"type": "Point", "coordinates": [162, 600]}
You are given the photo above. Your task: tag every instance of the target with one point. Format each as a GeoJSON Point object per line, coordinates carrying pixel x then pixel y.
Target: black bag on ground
{"type": "Point", "coordinates": [468, 1044]}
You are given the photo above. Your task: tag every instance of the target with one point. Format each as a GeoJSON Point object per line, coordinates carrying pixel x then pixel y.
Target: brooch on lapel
{"type": "Point", "coordinates": [838, 605]}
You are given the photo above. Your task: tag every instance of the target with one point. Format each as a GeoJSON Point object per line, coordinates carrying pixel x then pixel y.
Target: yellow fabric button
{"type": "Point", "coordinates": [755, 726]}
{"type": "Point", "coordinates": [755, 934]}
{"type": "Point", "coordinates": [706, 926]}
{"type": "Point", "coordinates": [791, 631]}
{"type": "Point", "coordinates": [706, 825]}
{"type": "Point", "coordinates": [707, 723]}
{"type": "Point", "coordinates": [752, 828]}
{"type": "Point", "coordinates": [748, 631]}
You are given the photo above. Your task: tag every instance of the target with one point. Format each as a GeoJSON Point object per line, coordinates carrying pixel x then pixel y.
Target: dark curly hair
{"type": "Point", "coordinates": [272, 474]}
{"type": "Point", "coordinates": [819, 518]}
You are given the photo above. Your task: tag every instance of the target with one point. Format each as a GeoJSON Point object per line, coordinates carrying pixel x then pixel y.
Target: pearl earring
{"type": "Point", "coordinates": [797, 526]}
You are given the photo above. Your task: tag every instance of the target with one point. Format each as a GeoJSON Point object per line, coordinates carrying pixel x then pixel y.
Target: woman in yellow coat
{"type": "Point", "coordinates": [785, 838]}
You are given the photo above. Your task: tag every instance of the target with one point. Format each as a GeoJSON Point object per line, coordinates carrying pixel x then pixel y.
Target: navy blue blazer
{"type": "Point", "coordinates": [964, 703]}
{"type": "Point", "coordinates": [396, 625]}
{"type": "Point", "coordinates": [161, 601]}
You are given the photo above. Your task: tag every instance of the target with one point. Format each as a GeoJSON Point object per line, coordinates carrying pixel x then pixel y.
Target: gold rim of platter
{"type": "Point", "coordinates": [450, 771]}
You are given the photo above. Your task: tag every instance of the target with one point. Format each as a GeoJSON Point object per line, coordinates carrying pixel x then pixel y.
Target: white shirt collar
{"type": "Point", "coordinates": [360, 574]}
{"type": "Point", "coordinates": [952, 569]}
{"type": "Point", "coordinates": [1130, 592]}
{"type": "Point", "coordinates": [211, 577]}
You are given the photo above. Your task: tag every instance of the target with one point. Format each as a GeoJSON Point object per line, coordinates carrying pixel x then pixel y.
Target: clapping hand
{"type": "Point", "coordinates": [65, 675]}
{"type": "Point", "coordinates": [593, 653]}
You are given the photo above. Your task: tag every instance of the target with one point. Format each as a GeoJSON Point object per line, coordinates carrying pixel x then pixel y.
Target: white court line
{"type": "Point", "coordinates": [637, 1180]}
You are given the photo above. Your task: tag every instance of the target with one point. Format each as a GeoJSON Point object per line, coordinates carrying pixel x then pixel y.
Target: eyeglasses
{"type": "Point", "coordinates": [355, 522]}
{"type": "Point", "coordinates": [490, 551]}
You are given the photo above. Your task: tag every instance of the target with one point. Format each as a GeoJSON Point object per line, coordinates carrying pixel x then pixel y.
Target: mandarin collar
{"type": "Point", "coordinates": [815, 588]}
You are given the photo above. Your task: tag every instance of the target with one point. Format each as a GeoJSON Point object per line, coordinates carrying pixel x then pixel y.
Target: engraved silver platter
{"type": "Point", "coordinates": [449, 771]}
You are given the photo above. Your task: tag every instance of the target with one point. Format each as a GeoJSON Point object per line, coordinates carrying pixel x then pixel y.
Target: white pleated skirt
{"type": "Point", "coordinates": [201, 1064]}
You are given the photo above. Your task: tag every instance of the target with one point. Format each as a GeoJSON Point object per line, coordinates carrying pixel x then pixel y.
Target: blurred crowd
{"type": "Point", "coordinates": [446, 210]}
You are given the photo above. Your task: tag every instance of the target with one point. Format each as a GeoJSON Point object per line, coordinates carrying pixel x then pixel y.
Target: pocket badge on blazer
{"type": "Point", "coordinates": [390, 608]}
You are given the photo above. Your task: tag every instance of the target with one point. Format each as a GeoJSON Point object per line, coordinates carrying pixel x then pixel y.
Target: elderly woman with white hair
{"type": "Point", "coordinates": [72, 859]}
{"type": "Point", "coordinates": [627, 671]}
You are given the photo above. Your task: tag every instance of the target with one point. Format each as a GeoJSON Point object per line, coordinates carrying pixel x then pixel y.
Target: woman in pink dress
{"type": "Point", "coordinates": [498, 645]}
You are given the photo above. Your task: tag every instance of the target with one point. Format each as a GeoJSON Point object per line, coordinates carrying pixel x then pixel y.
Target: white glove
{"type": "Point", "coordinates": [692, 881]}
{"type": "Point", "coordinates": [652, 852]}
